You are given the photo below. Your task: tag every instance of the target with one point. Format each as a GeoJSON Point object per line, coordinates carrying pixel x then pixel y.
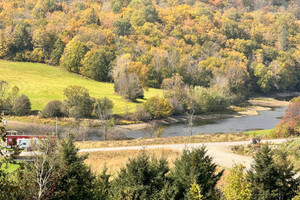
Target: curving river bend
{"type": "Point", "coordinates": [267, 119]}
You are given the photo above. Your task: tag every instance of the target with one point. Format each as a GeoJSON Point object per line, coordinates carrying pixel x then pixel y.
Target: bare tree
{"type": "Point", "coordinates": [190, 121]}
{"type": "Point", "coordinates": [44, 164]}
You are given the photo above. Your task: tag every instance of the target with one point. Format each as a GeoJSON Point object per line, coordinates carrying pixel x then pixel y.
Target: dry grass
{"type": "Point", "coordinates": [220, 137]}
{"type": "Point", "coordinates": [114, 160]}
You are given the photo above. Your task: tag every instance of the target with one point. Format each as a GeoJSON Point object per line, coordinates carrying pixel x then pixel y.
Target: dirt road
{"type": "Point", "coordinates": [219, 151]}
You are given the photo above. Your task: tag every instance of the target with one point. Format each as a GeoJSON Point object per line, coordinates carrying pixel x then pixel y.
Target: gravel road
{"type": "Point", "coordinates": [219, 151]}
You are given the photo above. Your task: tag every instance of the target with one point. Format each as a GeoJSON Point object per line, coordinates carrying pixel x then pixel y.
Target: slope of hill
{"type": "Point", "coordinates": [43, 83]}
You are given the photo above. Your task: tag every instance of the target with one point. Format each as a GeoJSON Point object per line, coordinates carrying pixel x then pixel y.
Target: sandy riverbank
{"type": "Point", "coordinates": [257, 105]}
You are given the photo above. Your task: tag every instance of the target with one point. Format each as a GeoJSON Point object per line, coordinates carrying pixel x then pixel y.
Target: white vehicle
{"type": "Point", "coordinates": [24, 143]}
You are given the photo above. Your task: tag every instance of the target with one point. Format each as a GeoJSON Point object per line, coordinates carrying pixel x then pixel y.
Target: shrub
{"type": "Point", "coordinates": [21, 105]}
{"type": "Point", "coordinates": [52, 109]}
{"type": "Point", "coordinates": [290, 124]}
{"type": "Point", "coordinates": [103, 108]}
{"type": "Point", "coordinates": [237, 186]}
{"type": "Point", "coordinates": [158, 107]}
{"type": "Point", "coordinates": [295, 99]}
{"type": "Point", "coordinates": [140, 113]}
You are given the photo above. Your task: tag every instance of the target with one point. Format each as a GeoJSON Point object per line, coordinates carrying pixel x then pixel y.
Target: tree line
{"type": "Point", "coordinates": [246, 46]}
{"type": "Point", "coordinates": [59, 172]}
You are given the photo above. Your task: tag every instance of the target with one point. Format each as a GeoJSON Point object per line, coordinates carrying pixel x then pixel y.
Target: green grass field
{"type": "Point", "coordinates": [259, 132]}
{"type": "Point", "coordinates": [43, 83]}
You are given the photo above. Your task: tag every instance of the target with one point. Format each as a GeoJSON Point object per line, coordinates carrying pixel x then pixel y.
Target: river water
{"type": "Point", "coordinates": [266, 119]}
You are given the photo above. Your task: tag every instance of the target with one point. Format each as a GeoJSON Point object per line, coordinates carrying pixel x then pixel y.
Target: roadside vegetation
{"type": "Point", "coordinates": [218, 137]}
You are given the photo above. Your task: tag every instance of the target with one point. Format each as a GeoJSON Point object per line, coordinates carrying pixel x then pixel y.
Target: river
{"type": "Point", "coordinates": [267, 119]}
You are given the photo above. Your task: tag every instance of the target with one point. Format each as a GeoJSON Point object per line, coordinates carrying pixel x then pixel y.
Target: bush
{"type": "Point", "coordinates": [140, 114]}
{"type": "Point", "coordinates": [103, 108]}
{"type": "Point", "coordinates": [21, 105]}
{"type": "Point", "coordinates": [295, 99]}
{"type": "Point", "coordinates": [290, 124]}
{"type": "Point", "coordinates": [52, 109]}
{"type": "Point", "coordinates": [158, 107]}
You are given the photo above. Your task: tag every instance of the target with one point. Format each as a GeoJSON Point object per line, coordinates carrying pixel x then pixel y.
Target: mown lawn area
{"type": "Point", "coordinates": [259, 132]}
{"type": "Point", "coordinates": [43, 83]}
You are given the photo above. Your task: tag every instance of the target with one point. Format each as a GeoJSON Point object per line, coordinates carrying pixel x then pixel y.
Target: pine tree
{"type": "Point", "coordinates": [271, 180]}
{"type": "Point", "coordinates": [75, 180]}
{"type": "Point", "coordinates": [195, 166]}
{"type": "Point", "coordinates": [287, 183]}
{"type": "Point", "coordinates": [56, 54]}
{"type": "Point", "coordinates": [263, 175]}
{"type": "Point", "coordinates": [143, 178]}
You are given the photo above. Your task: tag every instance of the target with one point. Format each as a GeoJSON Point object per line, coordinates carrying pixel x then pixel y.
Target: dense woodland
{"type": "Point", "coordinates": [237, 46]}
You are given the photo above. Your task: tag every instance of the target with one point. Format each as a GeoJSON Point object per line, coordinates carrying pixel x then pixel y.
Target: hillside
{"type": "Point", "coordinates": [246, 47]}
{"type": "Point", "coordinates": [43, 83]}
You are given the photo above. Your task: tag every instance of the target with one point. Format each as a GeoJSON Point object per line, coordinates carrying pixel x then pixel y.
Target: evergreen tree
{"type": "Point", "coordinates": [287, 183]}
{"type": "Point", "coordinates": [75, 180]}
{"type": "Point", "coordinates": [143, 178]}
{"type": "Point", "coordinates": [56, 54]}
{"type": "Point", "coordinates": [270, 180]}
{"type": "Point", "coordinates": [195, 167]}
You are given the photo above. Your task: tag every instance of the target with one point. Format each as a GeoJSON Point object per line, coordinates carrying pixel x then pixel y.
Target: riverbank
{"type": "Point", "coordinates": [255, 105]}
{"type": "Point", "coordinates": [35, 125]}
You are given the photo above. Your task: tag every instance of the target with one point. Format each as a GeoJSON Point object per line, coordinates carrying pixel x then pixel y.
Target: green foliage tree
{"type": "Point", "coordinates": [103, 108]}
{"type": "Point", "coordinates": [158, 107]}
{"type": "Point", "coordinates": [52, 109]}
{"type": "Point", "coordinates": [123, 27]}
{"type": "Point", "coordinates": [21, 105]}
{"type": "Point", "coordinates": [142, 178]}
{"type": "Point", "coordinates": [97, 64]}
{"type": "Point", "coordinates": [73, 55]}
{"type": "Point", "coordinates": [207, 100]}
{"type": "Point", "coordinates": [194, 166]}
{"type": "Point", "coordinates": [78, 103]}
{"type": "Point", "coordinates": [237, 186]}
{"type": "Point", "coordinates": [195, 192]}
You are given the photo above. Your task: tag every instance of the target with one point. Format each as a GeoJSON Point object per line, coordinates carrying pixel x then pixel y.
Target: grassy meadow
{"type": "Point", "coordinates": [114, 160]}
{"type": "Point", "coordinates": [43, 83]}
